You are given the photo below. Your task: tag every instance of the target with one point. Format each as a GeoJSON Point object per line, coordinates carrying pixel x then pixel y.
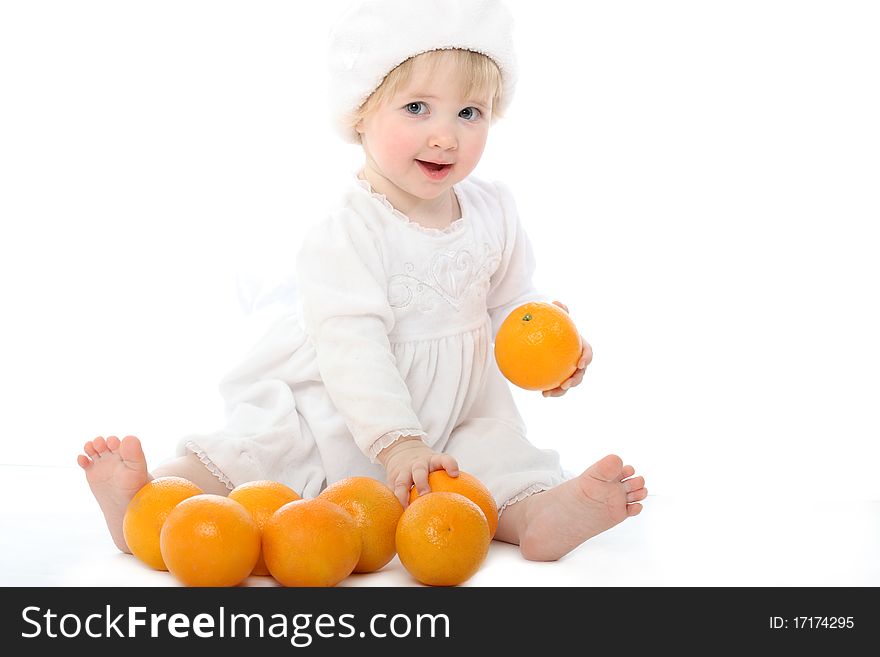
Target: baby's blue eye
{"type": "Point", "coordinates": [413, 108]}
{"type": "Point", "coordinates": [470, 113]}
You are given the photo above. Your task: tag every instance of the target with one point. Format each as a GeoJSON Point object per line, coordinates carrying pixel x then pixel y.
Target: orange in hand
{"type": "Point", "coordinates": [376, 510]}
{"type": "Point", "coordinates": [442, 539]}
{"type": "Point", "coordinates": [311, 543]}
{"type": "Point", "coordinates": [467, 485]}
{"type": "Point", "coordinates": [210, 540]}
{"type": "Point", "coordinates": [537, 346]}
{"type": "Point", "coordinates": [146, 513]}
{"type": "Point", "coordinates": [262, 498]}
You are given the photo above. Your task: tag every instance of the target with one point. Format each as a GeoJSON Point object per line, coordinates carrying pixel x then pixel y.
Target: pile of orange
{"type": "Point", "coordinates": [537, 346]}
{"type": "Point", "coordinates": [354, 525]}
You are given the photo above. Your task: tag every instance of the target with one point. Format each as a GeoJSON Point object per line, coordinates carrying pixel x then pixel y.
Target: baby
{"type": "Point", "coordinates": [386, 369]}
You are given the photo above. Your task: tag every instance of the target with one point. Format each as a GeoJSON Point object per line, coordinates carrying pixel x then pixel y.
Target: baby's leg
{"type": "Point", "coordinates": [551, 524]}
{"type": "Point", "coordinates": [117, 469]}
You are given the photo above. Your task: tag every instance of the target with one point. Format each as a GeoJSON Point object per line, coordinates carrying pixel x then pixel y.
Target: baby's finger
{"type": "Point", "coordinates": [572, 381]}
{"type": "Point", "coordinates": [401, 492]}
{"type": "Point", "coordinates": [444, 462]}
{"type": "Point", "coordinates": [586, 354]}
{"type": "Point", "coordinates": [561, 305]}
{"type": "Point", "coordinates": [420, 478]}
{"type": "Point", "coordinates": [555, 392]}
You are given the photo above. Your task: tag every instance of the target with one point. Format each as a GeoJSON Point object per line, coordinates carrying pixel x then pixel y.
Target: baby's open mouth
{"type": "Point", "coordinates": [433, 166]}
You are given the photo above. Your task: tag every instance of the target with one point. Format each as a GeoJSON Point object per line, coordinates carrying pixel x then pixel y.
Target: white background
{"type": "Point", "coordinates": [699, 180]}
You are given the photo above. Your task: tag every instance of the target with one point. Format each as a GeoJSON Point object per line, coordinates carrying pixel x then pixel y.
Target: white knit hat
{"type": "Point", "coordinates": [375, 36]}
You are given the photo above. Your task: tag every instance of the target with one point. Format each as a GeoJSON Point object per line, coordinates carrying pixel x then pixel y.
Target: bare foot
{"type": "Point", "coordinates": [558, 520]}
{"type": "Point", "coordinates": [115, 470]}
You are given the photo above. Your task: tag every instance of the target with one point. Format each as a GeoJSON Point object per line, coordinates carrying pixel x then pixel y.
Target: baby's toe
{"type": "Point", "coordinates": [634, 484]}
{"type": "Point", "coordinates": [89, 449]}
{"type": "Point", "coordinates": [130, 449]}
{"type": "Point", "coordinates": [637, 495]}
{"type": "Point", "coordinates": [608, 468]}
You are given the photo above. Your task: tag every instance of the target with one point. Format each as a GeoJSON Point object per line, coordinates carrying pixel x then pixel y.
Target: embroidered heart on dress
{"type": "Point", "coordinates": [453, 272]}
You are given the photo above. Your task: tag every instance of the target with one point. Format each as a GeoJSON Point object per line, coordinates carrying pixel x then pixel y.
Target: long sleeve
{"type": "Point", "coordinates": [511, 284]}
{"type": "Point", "coordinates": [346, 314]}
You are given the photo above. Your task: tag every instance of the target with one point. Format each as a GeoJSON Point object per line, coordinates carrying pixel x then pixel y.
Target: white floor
{"type": "Point", "coordinates": [54, 535]}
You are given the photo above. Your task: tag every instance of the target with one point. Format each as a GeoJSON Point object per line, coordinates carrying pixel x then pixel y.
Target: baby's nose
{"type": "Point", "coordinates": [445, 140]}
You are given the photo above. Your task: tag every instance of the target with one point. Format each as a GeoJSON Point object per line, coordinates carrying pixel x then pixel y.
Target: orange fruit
{"type": "Point", "coordinates": [376, 510]}
{"type": "Point", "coordinates": [210, 540]}
{"type": "Point", "coordinates": [311, 543]}
{"type": "Point", "coordinates": [442, 539]}
{"type": "Point", "coordinates": [537, 346]}
{"type": "Point", "coordinates": [146, 512]}
{"type": "Point", "coordinates": [467, 485]}
{"type": "Point", "coordinates": [262, 498]}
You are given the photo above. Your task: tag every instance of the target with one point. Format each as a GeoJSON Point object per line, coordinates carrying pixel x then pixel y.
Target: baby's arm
{"type": "Point", "coordinates": [343, 286]}
{"type": "Point", "coordinates": [408, 461]}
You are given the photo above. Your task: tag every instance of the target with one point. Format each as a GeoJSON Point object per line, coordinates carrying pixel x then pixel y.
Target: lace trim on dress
{"type": "Point", "coordinates": [392, 437]}
{"type": "Point", "coordinates": [519, 497]}
{"type": "Point", "coordinates": [217, 472]}
{"type": "Point", "coordinates": [455, 226]}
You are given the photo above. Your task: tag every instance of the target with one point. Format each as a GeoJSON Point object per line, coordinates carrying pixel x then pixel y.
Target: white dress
{"type": "Point", "coordinates": [391, 335]}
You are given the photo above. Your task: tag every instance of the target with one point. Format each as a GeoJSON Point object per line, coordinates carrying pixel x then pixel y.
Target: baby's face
{"type": "Point", "coordinates": [424, 125]}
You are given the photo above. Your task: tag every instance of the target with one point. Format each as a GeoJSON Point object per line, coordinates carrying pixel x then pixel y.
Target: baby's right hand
{"type": "Point", "coordinates": [408, 461]}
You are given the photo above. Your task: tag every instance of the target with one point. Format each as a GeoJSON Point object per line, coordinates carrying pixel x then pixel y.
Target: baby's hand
{"type": "Point", "coordinates": [578, 376]}
{"type": "Point", "coordinates": [408, 461]}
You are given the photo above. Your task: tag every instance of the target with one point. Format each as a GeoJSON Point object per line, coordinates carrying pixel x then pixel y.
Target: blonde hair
{"type": "Point", "coordinates": [478, 75]}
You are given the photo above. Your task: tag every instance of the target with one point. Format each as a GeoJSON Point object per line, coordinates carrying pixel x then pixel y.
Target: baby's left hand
{"type": "Point", "coordinates": [578, 376]}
